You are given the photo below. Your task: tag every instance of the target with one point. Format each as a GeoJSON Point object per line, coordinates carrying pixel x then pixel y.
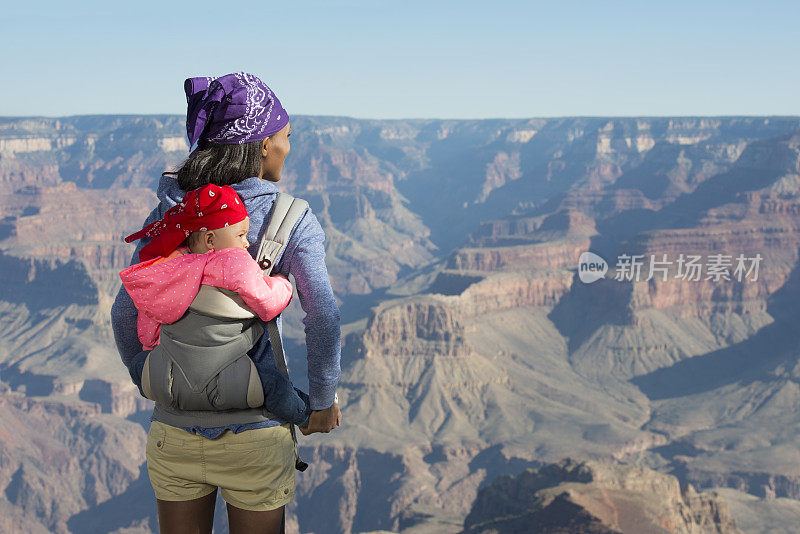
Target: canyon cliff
{"type": "Point", "coordinates": [472, 349]}
{"type": "Point", "coordinates": [596, 498]}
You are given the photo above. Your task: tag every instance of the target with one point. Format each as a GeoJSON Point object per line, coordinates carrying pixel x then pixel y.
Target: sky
{"type": "Point", "coordinates": [408, 59]}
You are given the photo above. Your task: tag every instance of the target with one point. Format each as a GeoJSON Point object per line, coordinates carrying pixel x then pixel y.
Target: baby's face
{"type": "Point", "coordinates": [234, 236]}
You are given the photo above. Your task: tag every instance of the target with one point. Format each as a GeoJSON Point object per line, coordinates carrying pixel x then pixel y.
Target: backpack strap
{"type": "Point", "coordinates": [286, 211]}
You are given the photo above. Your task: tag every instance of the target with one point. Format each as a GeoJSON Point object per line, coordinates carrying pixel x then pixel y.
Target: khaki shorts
{"type": "Point", "coordinates": [254, 468]}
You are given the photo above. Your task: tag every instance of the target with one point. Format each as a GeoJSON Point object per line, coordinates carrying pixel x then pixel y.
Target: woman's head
{"type": "Point", "coordinates": [274, 150]}
{"type": "Point", "coordinates": [212, 163]}
{"type": "Point", "coordinates": [238, 129]}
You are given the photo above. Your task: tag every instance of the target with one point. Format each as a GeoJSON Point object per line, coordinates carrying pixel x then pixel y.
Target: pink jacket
{"type": "Point", "coordinates": [163, 288]}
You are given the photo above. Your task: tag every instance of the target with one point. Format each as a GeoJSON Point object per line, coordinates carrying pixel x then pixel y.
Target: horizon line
{"type": "Point", "coordinates": [539, 117]}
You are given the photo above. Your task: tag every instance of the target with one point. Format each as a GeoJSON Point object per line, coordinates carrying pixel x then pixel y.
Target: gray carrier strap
{"type": "Point", "coordinates": [209, 418]}
{"type": "Point", "coordinates": [286, 211]}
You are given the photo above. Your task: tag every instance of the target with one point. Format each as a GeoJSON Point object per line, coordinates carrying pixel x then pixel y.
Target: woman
{"type": "Point", "coordinates": [242, 137]}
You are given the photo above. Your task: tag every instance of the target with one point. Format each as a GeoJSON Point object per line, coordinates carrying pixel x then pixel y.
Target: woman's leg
{"type": "Point", "coordinates": [187, 517]}
{"type": "Point", "coordinates": [249, 522]}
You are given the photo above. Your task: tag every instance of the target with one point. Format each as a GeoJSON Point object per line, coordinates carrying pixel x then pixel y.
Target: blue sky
{"type": "Point", "coordinates": [392, 59]}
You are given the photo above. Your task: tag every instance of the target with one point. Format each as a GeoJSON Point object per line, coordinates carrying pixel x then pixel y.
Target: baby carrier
{"type": "Point", "coordinates": [200, 373]}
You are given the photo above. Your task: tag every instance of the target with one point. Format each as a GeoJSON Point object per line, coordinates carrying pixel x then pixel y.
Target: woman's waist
{"type": "Point", "coordinates": [214, 421]}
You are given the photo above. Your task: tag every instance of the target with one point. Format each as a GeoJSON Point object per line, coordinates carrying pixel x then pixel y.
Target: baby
{"type": "Point", "coordinates": [203, 240]}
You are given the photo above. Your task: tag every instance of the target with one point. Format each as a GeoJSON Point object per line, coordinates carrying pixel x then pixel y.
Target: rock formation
{"type": "Point", "coordinates": [598, 498]}
{"type": "Point", "coordinates": [472, 348]}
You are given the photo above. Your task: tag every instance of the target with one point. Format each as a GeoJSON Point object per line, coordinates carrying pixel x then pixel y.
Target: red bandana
{"type": "Point", "coordinates": [206, 208]}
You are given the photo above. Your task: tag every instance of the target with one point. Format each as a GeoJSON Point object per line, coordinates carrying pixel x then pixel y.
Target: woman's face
{"type": "Point", "coordinates": [274, 150]}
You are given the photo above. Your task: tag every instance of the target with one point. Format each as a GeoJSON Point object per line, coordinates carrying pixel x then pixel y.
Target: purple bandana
{"type": "Point", "coordinates": [232, 109]}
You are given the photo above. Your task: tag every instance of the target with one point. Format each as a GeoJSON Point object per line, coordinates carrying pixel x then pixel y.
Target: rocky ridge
{"type": "Point", "coordinates": [596, 497]}
{"type": "Point", "coordinates": [494, 355]}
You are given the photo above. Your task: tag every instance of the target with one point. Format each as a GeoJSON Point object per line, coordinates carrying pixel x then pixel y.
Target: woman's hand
{"type": "Point", "coordinates": [323, 420]}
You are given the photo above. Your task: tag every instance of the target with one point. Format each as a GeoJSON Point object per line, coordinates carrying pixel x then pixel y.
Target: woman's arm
{"type": "Point", "coordinates": [123, 322]}
{"type": "Point", "coordinates": [124, 314]}
{"type": "Point", "coordinates": [304, 258]}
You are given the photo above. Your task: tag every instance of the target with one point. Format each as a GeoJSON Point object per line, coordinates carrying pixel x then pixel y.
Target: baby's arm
{"type": "Point", "coordinates": [149, 331]}
{"type": "Point", "coordinates": [268, 296]}
{"type": "Point", "coordinates": [281, 398]}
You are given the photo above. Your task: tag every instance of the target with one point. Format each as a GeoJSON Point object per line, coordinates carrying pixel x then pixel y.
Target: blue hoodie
{"type": "Point", "coordinates": [303, 258]}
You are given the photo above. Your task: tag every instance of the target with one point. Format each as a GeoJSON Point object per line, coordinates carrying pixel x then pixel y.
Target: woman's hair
{"type": "Point", "coordinates": [213, 163]}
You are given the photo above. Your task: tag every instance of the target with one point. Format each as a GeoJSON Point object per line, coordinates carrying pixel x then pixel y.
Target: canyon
{"type": "Point", "coordinates": [597, 498]}
{"type": "Point", "coordinates": [472, 350]}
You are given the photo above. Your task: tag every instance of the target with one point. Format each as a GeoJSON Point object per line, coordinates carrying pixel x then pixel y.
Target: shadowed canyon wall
{"type": "Point", "coordinates": [472, 349]}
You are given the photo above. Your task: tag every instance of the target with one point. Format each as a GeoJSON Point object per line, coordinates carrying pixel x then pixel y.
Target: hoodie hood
{"type": "Point", "coordinates": [257, 195]}
{"type": "Point", "coordinates": [165, 290]}
{"type": "Point", "coordinates": [170, 194]}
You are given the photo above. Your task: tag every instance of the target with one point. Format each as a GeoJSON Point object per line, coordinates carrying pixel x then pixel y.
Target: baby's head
{"type": "Point", "coordinates": [233, 235]}
{"type": "Point", "coordinates": [211, 217]}
{"type": "Point", "coordinates": [215, 219]}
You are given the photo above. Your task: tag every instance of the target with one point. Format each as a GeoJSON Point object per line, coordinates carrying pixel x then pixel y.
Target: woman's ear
{"type": "Point", "coordinates": [265, 147]}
